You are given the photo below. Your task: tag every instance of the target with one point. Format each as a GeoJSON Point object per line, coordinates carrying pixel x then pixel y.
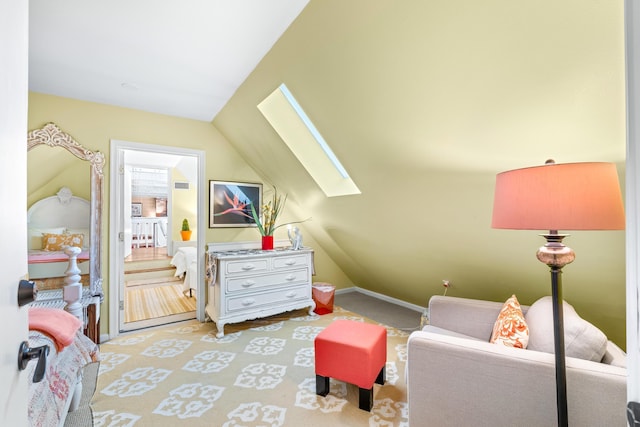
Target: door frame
{"type": "Point", "coordinates": [632, 233]}
{"type": "Point", "coordinates": [116, 224]}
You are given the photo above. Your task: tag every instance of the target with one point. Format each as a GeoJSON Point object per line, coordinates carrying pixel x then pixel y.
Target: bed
{"type": "Point", "coordinates": [186, 264]}
{"type": "Point", "coordinates": [55, 223]}
{"type": "Point", "coordinates": [59, 390]}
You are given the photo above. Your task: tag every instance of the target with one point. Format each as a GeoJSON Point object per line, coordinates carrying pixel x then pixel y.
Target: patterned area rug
{"type": "Point", "coordinates": [152, 302]}
{"type": "Point", "coordinates": [261, 373]}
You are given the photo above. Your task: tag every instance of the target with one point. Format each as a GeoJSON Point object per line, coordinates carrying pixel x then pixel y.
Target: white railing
{"type": "Point", "coordinates": [149, 232]}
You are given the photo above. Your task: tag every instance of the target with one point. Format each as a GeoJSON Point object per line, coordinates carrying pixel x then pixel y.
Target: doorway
{"type": "Point", "coordinates": [155, 189]}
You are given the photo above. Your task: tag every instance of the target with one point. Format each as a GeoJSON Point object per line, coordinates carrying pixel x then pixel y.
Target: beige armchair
{"type": "Point", "coordinates": [457, 378]}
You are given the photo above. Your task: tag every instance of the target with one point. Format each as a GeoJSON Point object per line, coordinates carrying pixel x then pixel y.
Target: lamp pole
{"type": "Point", "coordinates": [556, 255]}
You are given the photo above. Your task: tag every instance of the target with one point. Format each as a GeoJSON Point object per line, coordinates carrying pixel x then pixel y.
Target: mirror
{"type": "Point", "coordinates": [52, 136]}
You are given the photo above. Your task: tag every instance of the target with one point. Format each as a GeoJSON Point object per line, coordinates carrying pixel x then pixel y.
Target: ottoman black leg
{"type": "Point", "coordinates": [381, 376]}
{"type": "Point", "coordinates": [322, 385]}
{"type": "Point", "coordinates": [366, 399]}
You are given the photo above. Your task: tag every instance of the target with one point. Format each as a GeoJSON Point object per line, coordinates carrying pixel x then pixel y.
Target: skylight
{"type": "Point", "coordinates": [287, 117]}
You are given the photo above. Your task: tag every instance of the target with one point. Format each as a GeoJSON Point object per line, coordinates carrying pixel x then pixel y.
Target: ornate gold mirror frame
{"type": "Point", "coordinates": [52, 136]}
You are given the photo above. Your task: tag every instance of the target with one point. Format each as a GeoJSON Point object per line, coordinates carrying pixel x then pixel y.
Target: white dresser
{"type": "Point", "coordinates": [250, 284]}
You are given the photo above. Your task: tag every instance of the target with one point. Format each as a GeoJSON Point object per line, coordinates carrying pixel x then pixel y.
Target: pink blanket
{"type": "Point", "coordinates": [40, 257]}
{"type": "Point", "coordinates": [58, 324]}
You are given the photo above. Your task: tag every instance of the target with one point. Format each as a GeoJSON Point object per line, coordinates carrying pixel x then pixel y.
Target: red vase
{"type": "Point", "coordinates": [267, 243]}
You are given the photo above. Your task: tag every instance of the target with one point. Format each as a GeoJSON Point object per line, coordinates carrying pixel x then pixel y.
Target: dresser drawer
{"type": "Point", "coordinates": [269, 298]}
{"type": "Point", "coordinates": [282, 262]}
{"type": "Point", "coordinates": [239, 284]}
{"type": "Point", "coordinates": [247, 266]}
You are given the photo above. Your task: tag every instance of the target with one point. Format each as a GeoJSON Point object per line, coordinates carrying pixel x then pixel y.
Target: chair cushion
{"type": "Point", "coordinates": [441, 331]}
{"type": "Point", "coordinates": [510, 328]}
{"type": "Point", "coordinates": [581, 338]}
{"type": "Point", "coordinates": [614, 356]}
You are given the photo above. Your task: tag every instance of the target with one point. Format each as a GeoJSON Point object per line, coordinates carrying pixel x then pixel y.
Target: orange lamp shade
{"type": "Point", "coordinates": [567, 196]}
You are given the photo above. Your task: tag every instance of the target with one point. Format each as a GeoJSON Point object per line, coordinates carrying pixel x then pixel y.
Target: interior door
{"type": "Point", "coordinates": [14, 24]}
{"type": "Point", "coordinates": [152, 155]}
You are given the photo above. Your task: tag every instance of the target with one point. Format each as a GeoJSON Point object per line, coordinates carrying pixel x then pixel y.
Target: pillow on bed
{"type": "Point", "coordinates": [75, 240]}
{"type": "Point", "coordinates": [35, 236]}
{"type": "Point", "coordinates": [85, 235]}
{"type": "Point", "coordinates": [53, 242]}
{"type": "Point", "coordinates": [57, 242]}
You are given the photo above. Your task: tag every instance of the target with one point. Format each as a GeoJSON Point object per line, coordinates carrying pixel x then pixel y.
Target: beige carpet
{"type": "Point", "coordinates": [261, 373]}
{"type": "Point", "coordinates": [152, 302]}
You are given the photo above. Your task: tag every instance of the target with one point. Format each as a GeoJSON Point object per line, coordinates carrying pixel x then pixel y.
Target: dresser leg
{"type": "Point", "coordinates": [220, 327]}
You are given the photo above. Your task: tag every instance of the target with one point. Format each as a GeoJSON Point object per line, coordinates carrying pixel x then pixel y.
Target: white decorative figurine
{"type": "Point", "coordinates": [295, 238]}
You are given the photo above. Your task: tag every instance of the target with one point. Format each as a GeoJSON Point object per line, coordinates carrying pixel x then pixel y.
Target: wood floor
{"type": "Point", "coordinates": [145, 303]}
{"type": "Point", "coordinates": [147, 254]}
{"type": "Point", "coordinates": [168, 299]}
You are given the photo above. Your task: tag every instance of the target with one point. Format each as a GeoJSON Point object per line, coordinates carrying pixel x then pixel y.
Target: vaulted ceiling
{"type": "Point", "coordinates": [167, 57]}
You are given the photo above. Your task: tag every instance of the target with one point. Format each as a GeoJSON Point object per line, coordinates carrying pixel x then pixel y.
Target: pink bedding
{"type": "Point", "coordinates": [58, 324]}
{"type": "Point", "coordinates": [39, 256]}
{"type": "Point", "coordinates": [49, 399]}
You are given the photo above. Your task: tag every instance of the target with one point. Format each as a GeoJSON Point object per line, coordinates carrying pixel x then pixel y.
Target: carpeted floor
{"type": "Point", "coordinates": [261, 373]}
{"type": "Point", "coordinates": [381, 311]}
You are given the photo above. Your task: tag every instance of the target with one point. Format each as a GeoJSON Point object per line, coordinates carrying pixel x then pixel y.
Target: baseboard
{"type": "Point", "coordinates": [414, 307]}
{"type": "Point", "coordinates": [383, 297]}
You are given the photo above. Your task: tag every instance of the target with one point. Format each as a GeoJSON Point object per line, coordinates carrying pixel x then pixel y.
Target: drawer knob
{"type": "Point", "coordinates": [290, 262]}
{"type": "Point", "coordinates": [290, 277]}
{"type": "Point", "coordinates": [247, 267]}
{"type": "Point", "coordinates": [248, 283]}
{"type": "Point", "coordinates": [291, 294]}
{"type": "Point", "coordinates": [249, 301]}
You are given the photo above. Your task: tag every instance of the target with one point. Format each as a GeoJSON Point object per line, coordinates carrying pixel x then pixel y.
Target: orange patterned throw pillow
{"type": "Point", "coordinates": [53, 242]}
{"type": "Point", "coordinates": [510, 328]}
{"type": "Point", "coordinates": [57, 242]}
{"type": "Point", "coordinates": [76, 240]}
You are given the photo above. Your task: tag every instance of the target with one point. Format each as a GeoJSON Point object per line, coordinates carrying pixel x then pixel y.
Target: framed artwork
{"type": "Point", "coordinates": [161, 207]}
{"type": "Point", "coordinates": [230, 203]}
{"type": "Point", "coordinates": [136, 209]}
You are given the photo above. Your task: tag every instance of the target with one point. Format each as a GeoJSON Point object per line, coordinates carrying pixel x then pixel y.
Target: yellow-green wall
{"type": "Point", "coordinates": [49, 169]}
{"type": "Point", "coordinates": [94, 125]}
{"type": "Point", "coordinates": [185, 206]}
{"type": "Point", "coordinates": [424, 102]}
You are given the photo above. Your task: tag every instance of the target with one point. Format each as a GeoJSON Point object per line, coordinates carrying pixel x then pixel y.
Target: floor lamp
{"type": "Point", "coordinates": [570, 196]}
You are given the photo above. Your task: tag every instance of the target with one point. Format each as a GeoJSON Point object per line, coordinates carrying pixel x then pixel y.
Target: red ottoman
{"type": "Point", "coordinates": [353, 352]}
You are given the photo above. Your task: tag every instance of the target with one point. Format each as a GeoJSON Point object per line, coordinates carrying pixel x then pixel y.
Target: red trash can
{"type": "Point", "coordinates": [323, 295]}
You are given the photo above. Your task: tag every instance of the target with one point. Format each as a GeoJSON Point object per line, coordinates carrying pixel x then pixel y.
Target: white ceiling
{"type": "Point", "coordinates": [187, 165]}
{"type": "Point", "coordinates": [181, 58]}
